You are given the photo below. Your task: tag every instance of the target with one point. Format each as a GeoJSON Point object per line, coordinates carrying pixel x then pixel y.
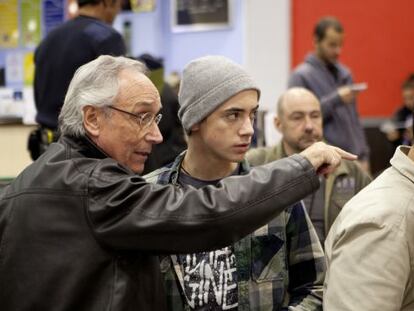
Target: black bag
{"type": "Point", "coordinates": [33, 144]}
{"type": "Point", "coordinates": [39, 140]}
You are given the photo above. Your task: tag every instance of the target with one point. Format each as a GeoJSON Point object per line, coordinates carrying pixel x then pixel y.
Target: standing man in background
{"type": "Point", "coordinates": [65, 49]}
{"type": "Point", "coordinates": [299, 120]}
{"type": "Point", "coordinates": [332, 83]}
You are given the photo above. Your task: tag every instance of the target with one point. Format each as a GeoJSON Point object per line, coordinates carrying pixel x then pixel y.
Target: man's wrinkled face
{"type": "Point", "coordinates": [227, 132]}
{"type": "Point", "coordinates": [120, 135]}
{"type": "Point", "coordinates": [329, 48]}
{"type": "Point", "coordinates": [300, 122]}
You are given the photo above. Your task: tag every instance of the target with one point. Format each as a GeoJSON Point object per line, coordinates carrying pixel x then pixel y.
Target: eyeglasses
{"type": "Point", "coordinates": [144, 120]}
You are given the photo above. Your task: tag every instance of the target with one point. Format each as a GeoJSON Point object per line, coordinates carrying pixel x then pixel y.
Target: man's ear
{"type": "Point", "coordinates": [91, 116]}
{"type": "Point", "coordinates": [277, 123]}
{"type": "Point", "coordinates": [195, 127]}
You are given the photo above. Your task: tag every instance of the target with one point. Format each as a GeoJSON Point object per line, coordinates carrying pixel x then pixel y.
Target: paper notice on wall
{"type": "Point", "coordinates": [29, 106]}
{"type": "Point", "coordinates": [11, 104]}
{"type": "Point", "coordinates": [14, 68]}
{"type": "Point", "coordinates": [30, 22]}
{"type": "Point", "coordinates": [53, 14]}
{"type": "Point", "coordinates": [142, 5]}
{"type": "Point", "coordinates": [9, 25]}
{"type": "Point", "coordinates": [28, 68]}
{"type": "Point", "coordinates": [17, 105]}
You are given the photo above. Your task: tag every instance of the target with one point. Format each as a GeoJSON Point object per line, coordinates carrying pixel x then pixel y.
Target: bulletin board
{"type": "Point", "coordinates": [23, 24]}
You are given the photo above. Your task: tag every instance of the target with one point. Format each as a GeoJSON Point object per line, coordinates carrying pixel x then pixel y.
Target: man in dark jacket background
{"type": "Point", "coordinates": [81, 230]}
{"type": "Point", "coordinates": [64, 50]}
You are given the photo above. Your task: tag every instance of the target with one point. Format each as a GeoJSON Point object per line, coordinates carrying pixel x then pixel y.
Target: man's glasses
{"type": "Point", "coordinates": [144, 120]}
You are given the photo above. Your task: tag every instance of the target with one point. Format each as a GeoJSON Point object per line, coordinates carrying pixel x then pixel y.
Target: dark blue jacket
{"type": "Point", "coordinates": [65, 49]}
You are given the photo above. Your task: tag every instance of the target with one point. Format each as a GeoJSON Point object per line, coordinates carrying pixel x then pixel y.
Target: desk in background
{"type": "Point", "coordinates": [14, 156]}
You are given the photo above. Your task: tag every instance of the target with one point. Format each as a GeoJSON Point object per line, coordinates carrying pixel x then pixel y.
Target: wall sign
{"type": "Point", "coordinates": [200, 15]}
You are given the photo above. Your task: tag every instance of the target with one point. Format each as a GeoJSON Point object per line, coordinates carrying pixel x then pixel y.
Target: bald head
{"type": "Point", "coordinates": [299, 119]}
{"type": "Point", "coordinates": [294, 95]}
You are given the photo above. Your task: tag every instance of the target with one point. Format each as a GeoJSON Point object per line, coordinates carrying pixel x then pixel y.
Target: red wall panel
{"type": "Point", "coordinates": [378, 45]}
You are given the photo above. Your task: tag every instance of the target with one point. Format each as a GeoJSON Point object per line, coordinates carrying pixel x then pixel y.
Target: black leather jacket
{"type": "Point", "coordinates": [78, 231]}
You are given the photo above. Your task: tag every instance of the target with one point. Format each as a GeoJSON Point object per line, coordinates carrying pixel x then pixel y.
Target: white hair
{"type": "Point", "coordinates": [94, 84]}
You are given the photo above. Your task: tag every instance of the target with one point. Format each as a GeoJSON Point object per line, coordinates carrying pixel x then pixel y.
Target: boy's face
{"type": "Point", "coordinates": [226, 134]}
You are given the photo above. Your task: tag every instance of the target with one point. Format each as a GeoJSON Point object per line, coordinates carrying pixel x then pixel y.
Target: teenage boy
{"type": "Point", "coordinates": [278, 266]}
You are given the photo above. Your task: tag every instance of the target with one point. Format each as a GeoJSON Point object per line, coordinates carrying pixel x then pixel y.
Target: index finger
{"type": "Point", "coordinates": [346, 155]}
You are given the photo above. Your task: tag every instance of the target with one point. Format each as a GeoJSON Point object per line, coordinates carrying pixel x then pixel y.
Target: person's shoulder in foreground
{"type": "Point", "coordinates": [370, 247]}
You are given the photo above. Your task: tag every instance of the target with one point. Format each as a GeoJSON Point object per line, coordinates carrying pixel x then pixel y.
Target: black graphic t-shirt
{"type": "Point", "coordinates": [210, 278]}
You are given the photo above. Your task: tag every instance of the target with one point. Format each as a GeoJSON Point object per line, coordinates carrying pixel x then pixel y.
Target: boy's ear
{"type": "Point", "coordinates": [91, 117]}
{"type": "Point", "coordinates": [195, 127]}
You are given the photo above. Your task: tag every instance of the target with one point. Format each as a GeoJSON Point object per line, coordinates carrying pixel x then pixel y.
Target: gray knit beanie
{"type": "Point", "coordinates": [208, 82]}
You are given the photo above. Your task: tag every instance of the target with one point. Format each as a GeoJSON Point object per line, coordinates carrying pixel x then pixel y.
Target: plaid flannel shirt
{"type": "Point", "coordinates": [280, 266]}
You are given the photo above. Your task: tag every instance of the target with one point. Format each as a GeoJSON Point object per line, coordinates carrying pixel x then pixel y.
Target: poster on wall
{"type": "Point", "coordinates": [11, 105]}
{"type": "Point", "coordinates": [9, 25]}
{"type": "Point", "coordinates": [30, 22]}
{"type": "Point", "coordinates": [53, 14]}
{"type": "Point", "coordinates": [28, 68]}
{"type": "Point", "coordinates": [200, 15]}
{"type": "Point", "coordinates": [11, 97]}
{"type": "Point", "coordinates": [138, 6]}
{"type": "Point", "coordinates": [14, 69]}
